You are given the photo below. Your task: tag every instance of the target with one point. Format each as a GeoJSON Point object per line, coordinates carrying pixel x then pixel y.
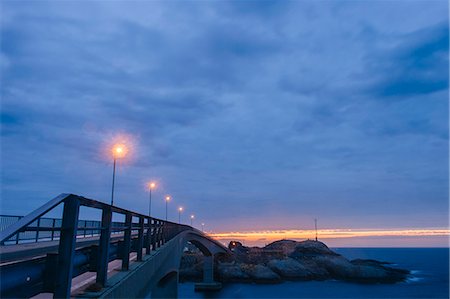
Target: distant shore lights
{"type": "Point", "coordinates": [118, 151]}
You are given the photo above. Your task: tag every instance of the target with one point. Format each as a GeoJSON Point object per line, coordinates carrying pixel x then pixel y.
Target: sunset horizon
{"type": "Point", "coordinates": [415, 238]}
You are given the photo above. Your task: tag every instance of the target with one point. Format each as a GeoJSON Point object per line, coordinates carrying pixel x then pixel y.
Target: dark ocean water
{"type": "Point", "coordinates": [430, 279]}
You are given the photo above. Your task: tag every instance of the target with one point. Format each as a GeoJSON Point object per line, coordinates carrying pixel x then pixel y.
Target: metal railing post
{"type": "Point", "coordinates": [126, 242]}
{"type": "Point", "coordinates": [157, 234]}
{"type": "Point", "coordinates": [37, 228]}
{"type": "Point", "coordinates": [148, 242]}
{"type": "Point", "coordinates": [66, 251]}
{"type": "Point", "coordinates": [160, 234]}
{"type": "Point", "coordinates": [163, 229]}
{"type": "Point", "coordinates": [153, 233]}
{"type": "Point", "coordinates": [140, 239]}
{"type": "Point", "coordinates": [103, 250]}
{"type": "Point", "coordinates": [53, 228]}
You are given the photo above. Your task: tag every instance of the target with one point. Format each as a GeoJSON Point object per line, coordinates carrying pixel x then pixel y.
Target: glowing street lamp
{"type": "Point", "coordinates": [118, 151]}
{"type": "Point", "coordinates": [203, 227]}
{"type": "Point", "coordinates": [192, 219]}
{"type": "Point", "coordinates": [180, 209]}
{"type": "Point", "coordinates": [151, 186]}
{"type": "Point", "coordinates": [167, 201]}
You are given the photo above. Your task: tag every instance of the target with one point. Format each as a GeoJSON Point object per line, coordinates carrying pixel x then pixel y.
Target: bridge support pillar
{"type": "Point", "coordinates": [103, 249]}
{"type": "Point", "coordinates": [208, 269]}
{"type": "Point", "coordinates": [208, 283]}
{"type": "Point", "coordinates": [66, 249]}
{"type": "Point", "coordinates": [167, 287]}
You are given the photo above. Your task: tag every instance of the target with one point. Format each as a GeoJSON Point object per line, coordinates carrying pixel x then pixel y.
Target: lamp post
{"type": "Point", "coordinates": [203, 227]}
{"type": "Point", "coordinates": [151, 186]}
{"type": "Point", "coordinates": [192, 219]}
{"type": "Point", "coordinates": [167, 201]}
{"type": "Point", "coordinates": [180, 209]}
{"type": "Point", "coordinates": [118, 151]}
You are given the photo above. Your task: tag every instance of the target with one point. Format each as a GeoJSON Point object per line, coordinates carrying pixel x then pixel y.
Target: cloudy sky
{"type": "Point", "coordinates": [253, 115]}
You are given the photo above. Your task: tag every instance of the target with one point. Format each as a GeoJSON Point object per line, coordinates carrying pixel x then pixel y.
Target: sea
{"type": "Point", "coordinates": [429, 279]}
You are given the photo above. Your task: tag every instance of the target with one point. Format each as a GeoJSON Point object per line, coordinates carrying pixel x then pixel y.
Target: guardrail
{"type": "Point", "coordinates": [54, 273]}
{"type": "Point", "coordinates": [47, 229]}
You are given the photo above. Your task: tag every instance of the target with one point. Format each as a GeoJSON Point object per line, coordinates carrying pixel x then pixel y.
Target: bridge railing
{"type": "Point", "coordinates": [136, 233]}
{"type": "Point", "coordinates": [47, 229]}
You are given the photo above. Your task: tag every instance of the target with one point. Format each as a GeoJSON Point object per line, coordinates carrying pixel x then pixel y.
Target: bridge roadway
{"type": "Point", "coordinates": [141, 261]}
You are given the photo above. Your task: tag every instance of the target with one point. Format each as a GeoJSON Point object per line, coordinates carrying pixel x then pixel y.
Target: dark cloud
{"type": "Point", "coordinates": [418, 65]}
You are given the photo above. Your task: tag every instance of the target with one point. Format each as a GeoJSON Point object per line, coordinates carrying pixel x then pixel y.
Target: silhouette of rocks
{"type": "Point", "coordinates": [291, 260]}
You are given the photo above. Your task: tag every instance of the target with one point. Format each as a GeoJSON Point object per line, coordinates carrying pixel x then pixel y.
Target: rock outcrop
{"type": "Point", "coordinates": [290, 269]}
{"type": "Point", "coordinates": [291, 260]}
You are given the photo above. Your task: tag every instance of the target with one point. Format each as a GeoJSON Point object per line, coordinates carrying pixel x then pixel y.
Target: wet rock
{"type": "Point", "coordinates": [307, 249]}
{"type": "Point", "coordinates": [284, 246]}
{"type": "Point", "coordinates": [338, 266]}
{"type": "Point", "coordinates": [232, 272]}
{"type": "Point", "coordinates": [317, 272]}
{"type": "Point", "coordinates": [260, 273]}
{"type": "Point", "coordinates": [289, 269]}
{"type": "Point", "coordinates": [371, 271]}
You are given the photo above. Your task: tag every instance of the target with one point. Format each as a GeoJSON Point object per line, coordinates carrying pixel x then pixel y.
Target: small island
{"type": "Point", "coordinates": [289, 260]}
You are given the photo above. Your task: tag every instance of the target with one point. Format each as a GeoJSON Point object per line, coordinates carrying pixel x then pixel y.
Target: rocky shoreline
{"type": "Point", "coordinates": [289, 260]}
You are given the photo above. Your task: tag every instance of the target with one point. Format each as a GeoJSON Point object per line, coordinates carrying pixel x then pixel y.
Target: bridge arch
{"type": "Point", "coordinates": [206, 245]}
{"type": "Point", "coordinates": [210, 248]}
{"type": "Point", "coordinates": [166, 279]}
{"type": "Point", "coordinates": [201, 247]}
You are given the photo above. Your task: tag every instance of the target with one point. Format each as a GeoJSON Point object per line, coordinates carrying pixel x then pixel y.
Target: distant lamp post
{"type": "Point", "coordinates": [180, 209]}
{"type": "Point", "coordinates": [118, 151]}
{"type": "Point", "coordinates": [167, 201]}
{"type": "Point", "coordinates": [203, 227]}
{"type": "Point", "coordinates": [151, 186]}
{"type": "Point", "coordinates": [192, 219]}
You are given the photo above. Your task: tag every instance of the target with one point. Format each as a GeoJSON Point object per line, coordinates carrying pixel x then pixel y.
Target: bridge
{"type": "Point", "coordinates": [136, 256]}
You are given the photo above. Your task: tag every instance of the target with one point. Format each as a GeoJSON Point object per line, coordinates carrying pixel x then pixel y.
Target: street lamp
{"type": "Point", "coordinates": [180, 209]}
{"type": "Point", "coordinates": [151, 186]}
{"type": "Point", "coordinates": [203, 227]}
{"type": "Point", "coordinates": [118, 151]}
{"type": "Point", "coordinates": [192, 219]}
{"type": "Point", "coordinates": [167, 201]}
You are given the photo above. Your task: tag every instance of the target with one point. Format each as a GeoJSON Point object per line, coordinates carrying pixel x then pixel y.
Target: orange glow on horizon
{"type": "Point", "coordinates": [255, 237]}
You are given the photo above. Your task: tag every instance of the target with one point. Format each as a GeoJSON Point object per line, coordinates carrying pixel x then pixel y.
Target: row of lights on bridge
{"type": "Point", "coordinates": [120, 151]}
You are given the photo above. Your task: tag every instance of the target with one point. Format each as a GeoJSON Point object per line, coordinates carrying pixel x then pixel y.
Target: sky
{"type": "Point", "coordinates": [256, 116]}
